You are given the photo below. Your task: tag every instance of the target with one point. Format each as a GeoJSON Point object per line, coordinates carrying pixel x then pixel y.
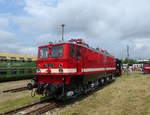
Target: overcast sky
{"type": "Point", "coordinates": [107, 24]}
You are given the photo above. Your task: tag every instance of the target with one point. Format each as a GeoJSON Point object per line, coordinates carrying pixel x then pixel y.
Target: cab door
{"type": "Point", "coordinates": [72, 59]}
{"type": "Point", "coordinates": [79, 58]}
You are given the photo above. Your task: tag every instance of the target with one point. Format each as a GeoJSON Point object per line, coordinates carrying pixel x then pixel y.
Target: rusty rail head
{"type": "Point", "coordinates": [15, 90]}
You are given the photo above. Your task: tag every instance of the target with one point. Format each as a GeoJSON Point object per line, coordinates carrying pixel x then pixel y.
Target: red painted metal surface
{"type": "Point", "coordinates": [84, 61]}
{"type": "Point", "coordinates": [146, 68]}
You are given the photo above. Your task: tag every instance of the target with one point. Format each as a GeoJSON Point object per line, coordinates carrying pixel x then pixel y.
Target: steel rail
{"type": "Point", "coordinates": [11, 112]}
{"type": "Point", "coordinates": [49, 106]}
{"type": "Point", "coordinates": [15, 90]}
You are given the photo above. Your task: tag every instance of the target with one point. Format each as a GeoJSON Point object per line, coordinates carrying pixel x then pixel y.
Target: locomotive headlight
{"type": "Point", "coordinates": [38, 71]}
{"type": "Point", "coordinates": [60, 70]}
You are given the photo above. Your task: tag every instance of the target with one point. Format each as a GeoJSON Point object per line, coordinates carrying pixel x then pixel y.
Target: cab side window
{"type": "Point", "coordinates": [72, 50]}
{"type": "Point", "coordinates": [78, 53]}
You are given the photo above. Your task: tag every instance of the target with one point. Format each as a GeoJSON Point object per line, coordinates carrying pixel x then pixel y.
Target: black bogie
{"type": "Point", "coordinates": [72, 90]}
{"type": "Point", "coordinates": [79, 84]}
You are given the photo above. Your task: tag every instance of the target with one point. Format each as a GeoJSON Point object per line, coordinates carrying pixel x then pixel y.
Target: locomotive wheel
{"type": "Point", "coordinates": [107, 79]}
{"type": "Point", "coordinates": [113, 77]}
{"type": "Point", "coordinates": [102, 81]}
{"type": "Point", "coordinates": [63, 98]}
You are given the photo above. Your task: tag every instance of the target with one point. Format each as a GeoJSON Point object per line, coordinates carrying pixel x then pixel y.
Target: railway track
{"type": "Point", "coordinates": [41, 106]}
{"type": "Point", "coordinates": [45, 105]}
{"type": "Point", "coordinates": [15, 90]}
{"type": "Point", "coordinates": [38, 107]}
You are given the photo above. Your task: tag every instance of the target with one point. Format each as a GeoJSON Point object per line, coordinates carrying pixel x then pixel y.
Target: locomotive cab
{"type": "Point", "coordinates": [59, 59]}
{"type": "Point", "coordinates": [66, 58]}
{"type": "Point", "coordinates": [56, 65]}
{"type": "Point", "coordinates": [52, 58]}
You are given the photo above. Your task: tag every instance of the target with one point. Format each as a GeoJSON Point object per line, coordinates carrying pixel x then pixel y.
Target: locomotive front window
{"type": "Point", "coordinates": [43, 52]}
{"type": "Point", "coordinates": [57, 51]}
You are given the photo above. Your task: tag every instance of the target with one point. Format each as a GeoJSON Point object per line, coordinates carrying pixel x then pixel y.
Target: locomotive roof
{"type": "Point", "coordinates": [83, 45]}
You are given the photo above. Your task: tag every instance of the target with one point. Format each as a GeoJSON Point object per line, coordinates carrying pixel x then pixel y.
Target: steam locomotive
{"type": "Point", "coordinates": [68, 69]}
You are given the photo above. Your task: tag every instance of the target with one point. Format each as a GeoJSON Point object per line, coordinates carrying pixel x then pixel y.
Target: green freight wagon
{"type": "Point", "coordinates": [16, 67]}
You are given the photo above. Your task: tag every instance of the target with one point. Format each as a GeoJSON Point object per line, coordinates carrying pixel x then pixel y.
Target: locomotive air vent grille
{"type": "Point", "coordinates": [49, 65]}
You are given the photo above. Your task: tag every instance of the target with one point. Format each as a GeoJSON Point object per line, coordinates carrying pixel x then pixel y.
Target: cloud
{"type": "Point", "coordinates": [6, 36]}
{"type": "Point", "coordinates": [11, 44]}
{"type": "Point", "coordinates": [100, 19]}
{"type": "Point", "coordinates": [32, 25]}
{"type": "Point", "coordinates": [43, 39]}
{"type": "Point", "coordinates": [106, 24]}
{"type": "Point", "coordinates": [3, 22]}
{"type": "Point", "coordinates": [37, 7]}
{"type": "Point", "coordinates": [141, 47]}
{"type": "Point", "coordinates": [28, 50]}
{"type": "Point", "coordinates": [18, 49]}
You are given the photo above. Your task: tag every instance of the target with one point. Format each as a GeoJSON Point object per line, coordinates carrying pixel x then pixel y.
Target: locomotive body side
{"type": "Point", "coordinates": [82, 61]}
{"type": "Point", "coordinates": [69, 69]}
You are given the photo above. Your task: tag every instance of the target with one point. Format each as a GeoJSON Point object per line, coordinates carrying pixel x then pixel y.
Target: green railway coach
{"type": "Point", "coordinates": [16, 67]}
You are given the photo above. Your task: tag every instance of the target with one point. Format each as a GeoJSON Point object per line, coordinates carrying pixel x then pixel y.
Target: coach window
{"type": "Point", "coordinates": [29, 59]}
{"type": "Point", "coordinates": [78, 53]}
{"type": "Point", "coordinates": [3, 71]}
{"type": "Point", "coordinates": [29, 70]}
{"type": "Point", "coordinates": [3, 58]}
{"type": "Point", "coordinates": [13, 71]}
{"type": "Point", "coordinates": [21, 59]}
{"type": "Point", "coordinates": [72, 51]}
{"type": "Point", "coordinates": [13, 58]}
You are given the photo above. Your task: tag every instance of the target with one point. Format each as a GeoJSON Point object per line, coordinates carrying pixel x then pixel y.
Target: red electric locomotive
{"type": "Point", "coordinates": [146, 68]}
{"type": "Point", "coordinates": [68, 69]}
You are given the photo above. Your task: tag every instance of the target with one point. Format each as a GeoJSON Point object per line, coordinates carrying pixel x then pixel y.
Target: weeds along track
{"type": "Point", "coordinates": [47, 104]}
{"type": "Point", "coordinates": [38, 107]}
{"type": "Point", "coordinates": [15, 90]}
{"type": "Point", "coordinates": [42, 106]}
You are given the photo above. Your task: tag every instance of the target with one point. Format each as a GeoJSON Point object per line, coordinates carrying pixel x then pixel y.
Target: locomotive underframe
{"type": "Point", "coordinates": [77, 85]}
{"type": "Point", "coordinates": [146, 71]}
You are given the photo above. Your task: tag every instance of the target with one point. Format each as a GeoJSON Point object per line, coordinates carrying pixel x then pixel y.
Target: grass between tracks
{"type": "Point", "coordinates": [128, 95]}
{"type": "Point", "coordinates": [15, 100]}
{"type": "Point", "coordinates": [10, 101]}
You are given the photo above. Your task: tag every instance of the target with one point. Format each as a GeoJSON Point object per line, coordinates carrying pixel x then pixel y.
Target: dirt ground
{"type": "Point", "coordinates": [128, 95]}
